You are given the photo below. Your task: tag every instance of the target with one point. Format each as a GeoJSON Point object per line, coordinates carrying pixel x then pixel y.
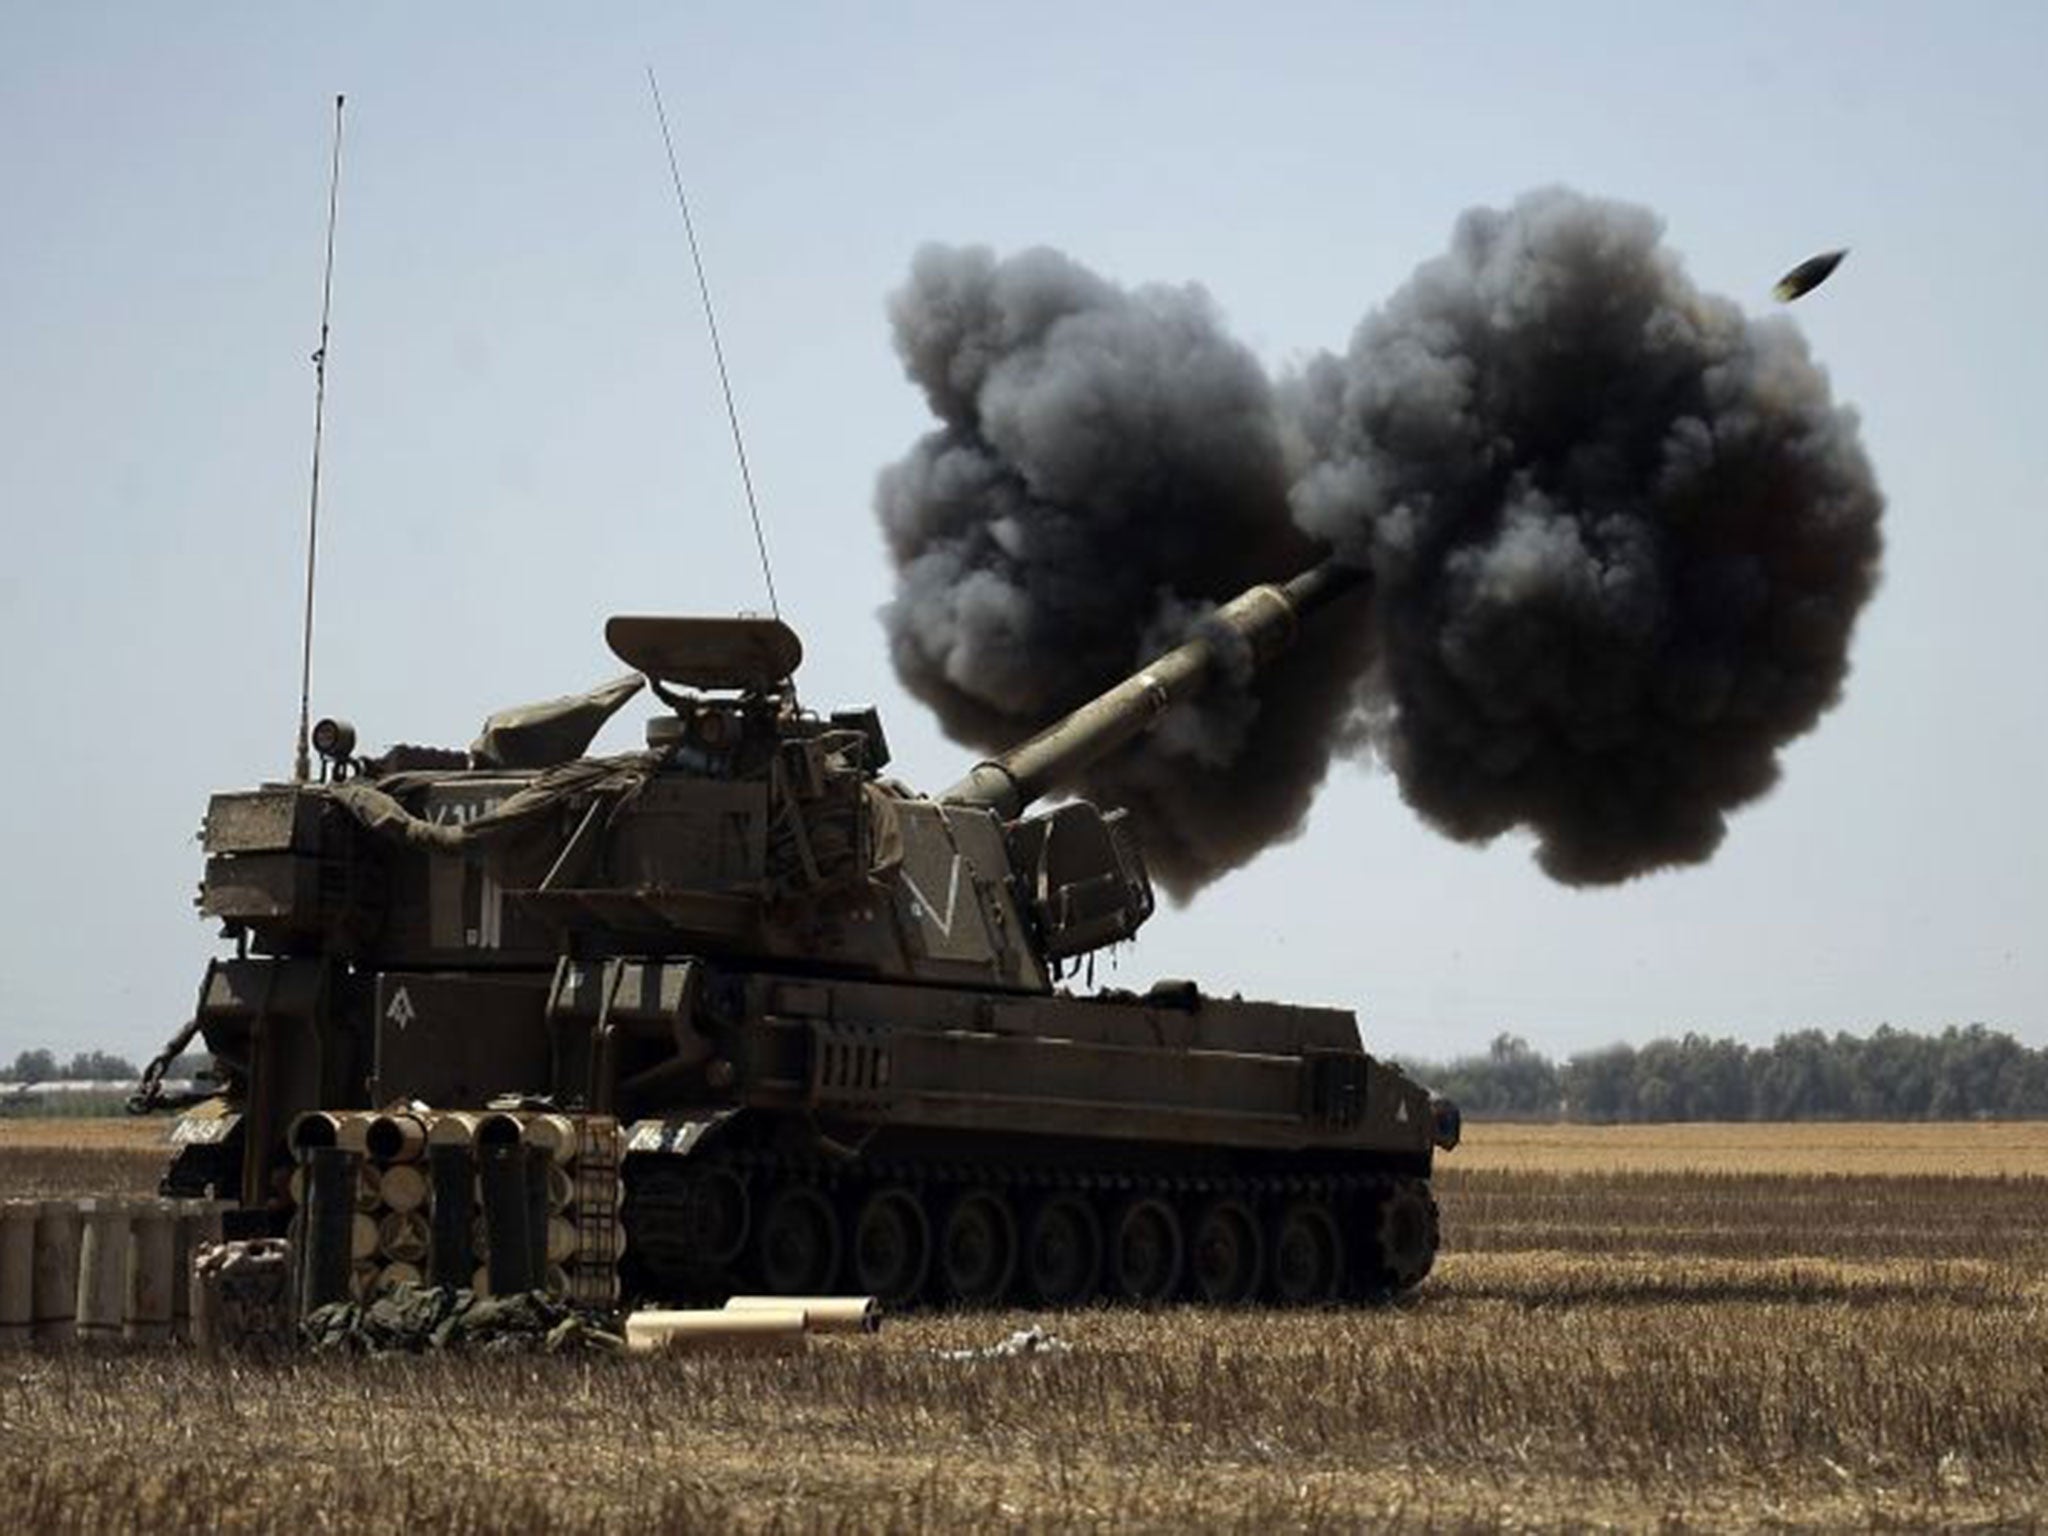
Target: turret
{"type": "Point", "coordinates": [1245, 633]}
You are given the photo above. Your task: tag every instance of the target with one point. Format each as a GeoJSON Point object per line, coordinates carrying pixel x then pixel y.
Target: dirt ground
{"type": "Point", "coordinates": [1687, 1328]}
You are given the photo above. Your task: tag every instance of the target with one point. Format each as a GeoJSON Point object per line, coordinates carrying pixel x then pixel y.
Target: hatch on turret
{"type": "Point", "coordinates": [749, 654]}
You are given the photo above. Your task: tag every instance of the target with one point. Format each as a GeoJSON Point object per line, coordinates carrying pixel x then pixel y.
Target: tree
{"type": "Point", "coordinates": [33, 1067]}
{"type": "Point", "coordinates": [1599, 1085]}
{"type": "Point", "coordinates": [1806, 1075]}
{"type": "Point", "coordinates": [101, 1066]}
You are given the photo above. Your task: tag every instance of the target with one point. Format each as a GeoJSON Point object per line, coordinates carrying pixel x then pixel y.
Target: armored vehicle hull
{"type": "Point", "coordinates": [823, 1010]}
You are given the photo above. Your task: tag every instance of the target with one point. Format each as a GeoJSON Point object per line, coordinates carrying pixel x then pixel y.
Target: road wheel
{"type": "Point", "coordinates": [684, 1226]}
{"type": "Point", "coordinates": [977, 1248]}
{"type": "Point", "coordinates": [714, 1216]}
{"type": "Point", "coordinates": [1228, 1260]}
{"type": "Point", "coordinates": [892, 1246]}
{"type": "Point", "coordinates": [798, 1247]}
{"type": "Point", "coordinates": [1145, 1251]}
{"type": "Point", "coordinates": [1400, 1237]}
{"type": "Point", "coordinates": [1308, 1254]}
{"type": "Point", "coordinates": [1063, 1251]}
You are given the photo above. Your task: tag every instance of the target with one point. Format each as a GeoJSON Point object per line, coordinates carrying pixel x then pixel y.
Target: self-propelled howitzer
{"type": "Point", "coordinates": [824, 1008]}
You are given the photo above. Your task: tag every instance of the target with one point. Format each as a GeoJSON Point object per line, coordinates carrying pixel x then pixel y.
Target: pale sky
{"type": "Point", "coordinates": [525, 433]}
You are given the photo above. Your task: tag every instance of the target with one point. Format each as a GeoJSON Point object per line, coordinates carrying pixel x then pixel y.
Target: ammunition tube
{"type": "Point", "coordinates": [369, 1186]}
{"type": "Point", "coordinates": [330, 1227]}
{"type": "Point", "coordinates": [59, 1232]}
{"type": "Point", "coordinates": [194, 1225]}
{"type": "Point", "coordinates": [502, 1175]}
{"type": "Point", "coordinates": [561, 1240]}
{"type": "Point", "coordinates": [561, 1188]}
{"type": "Point", "coordinates": [499, 1130]}
{"type": "Point", "coordinates": [540, 1163]}
{"type": "Point", "coordinates": [453, 1129]}
{"type": "Point", "coordinates": [151, 1278]}
{"type": "Point", "coordinates": [555, 1132]}
{"type": "Point", "coordinates": [403, 1186]}
{"type": "Point", "coordinates": [319, 1128]}
{"type": "Point", "coordinates": [102, 1269]}
{"type": "Point", "coordinates": [402, 1237]}
{"type": "Point", "coordinates": [17, 1271]}
{"type": "Point", "coordinates": [448, 1167]}
{"type": "Point", "coordinates": [395, 1138]}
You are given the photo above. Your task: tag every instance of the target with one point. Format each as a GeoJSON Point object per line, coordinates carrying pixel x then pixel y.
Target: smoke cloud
{"type": "Point", "coordinates": [1619, 534]}
{"type": "Point", "coordinates": [1619, 531]}
{"type": "Point", "coordinates": [1108, 467]}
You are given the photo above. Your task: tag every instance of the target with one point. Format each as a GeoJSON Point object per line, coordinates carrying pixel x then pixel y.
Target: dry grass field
{"type": "Point", "coordinates": [1683, 1328]}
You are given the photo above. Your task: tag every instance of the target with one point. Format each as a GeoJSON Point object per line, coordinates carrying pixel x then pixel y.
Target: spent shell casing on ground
{"type": "Point", "coordinates": [759, 1331]}
{"type": "Point", "coordinates": [822, 1314]}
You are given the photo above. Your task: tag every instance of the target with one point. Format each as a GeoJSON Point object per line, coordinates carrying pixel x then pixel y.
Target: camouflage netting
{"type": "Point", "coordinates": [550, 733]}
{"type": "Point", "coordinates": [520, 839]}
{"type": "Point", "coordinates": [416, 1318]}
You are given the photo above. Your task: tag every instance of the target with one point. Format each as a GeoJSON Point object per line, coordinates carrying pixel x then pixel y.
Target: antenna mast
{"type": "Point", "coordinates": [732, 414]}
{"type": "Point", "coordinates": [302, 763]}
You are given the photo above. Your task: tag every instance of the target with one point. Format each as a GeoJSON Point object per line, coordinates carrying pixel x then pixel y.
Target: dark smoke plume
{"type": "Point", "coordinates": [1620, 534]}
{"type": "Point", "coordinates": [1108, 467]}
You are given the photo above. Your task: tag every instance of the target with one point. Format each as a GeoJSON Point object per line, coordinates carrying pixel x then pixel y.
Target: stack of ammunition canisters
{"type": "Point", "coordinates": [100, 1269]}
{"type": "Point", "coordinates": [498, 1202]}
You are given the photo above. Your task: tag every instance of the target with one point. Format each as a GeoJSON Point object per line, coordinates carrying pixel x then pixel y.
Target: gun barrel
{"type": "Point", "coordinates": [1263, 619]}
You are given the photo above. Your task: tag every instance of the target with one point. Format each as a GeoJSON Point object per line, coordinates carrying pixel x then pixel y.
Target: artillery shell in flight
{"type": "Point", "coordinates": [1807, 276]}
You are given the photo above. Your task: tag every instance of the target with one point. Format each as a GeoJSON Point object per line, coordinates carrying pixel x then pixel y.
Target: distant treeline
{"type": "Point", "coordinates": [1961, 1073]}
{"type": "Point", "coordinates": [92, 1066]}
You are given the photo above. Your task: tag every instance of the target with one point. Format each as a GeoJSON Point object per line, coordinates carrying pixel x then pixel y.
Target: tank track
{"type": "Point", "coordinates": [1064, 1231]}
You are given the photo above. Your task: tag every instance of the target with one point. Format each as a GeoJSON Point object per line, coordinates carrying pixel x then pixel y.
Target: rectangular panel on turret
{"type": "Point", "coordinates": [687, 834]}
{"type": "Point", "coordinates": [456, 1040]}
{"type": "Point", "coordinates": [935, 890]}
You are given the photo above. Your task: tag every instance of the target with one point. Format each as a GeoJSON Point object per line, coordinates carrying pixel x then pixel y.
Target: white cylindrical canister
{"type": "Point", "coordinates": [152, 1273]}
{"type": "Point", "coordinates": [102, 1269]}
{"type": "Point", "coordinates": [58, 1227]}
{"type": "Point", "coordinates": [17, 1270]}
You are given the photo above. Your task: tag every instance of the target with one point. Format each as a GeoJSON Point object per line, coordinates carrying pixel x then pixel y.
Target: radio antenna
{"type": "Point", "coordinates": [732, 414]}
{"type": "Point", "coordinates": [302, 763]}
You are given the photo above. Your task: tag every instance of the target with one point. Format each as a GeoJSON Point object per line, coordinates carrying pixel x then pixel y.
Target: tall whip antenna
{"type": "Point", "coordinates": [717, 351]}
{"type": "Point", "coordinates": [302, 764]}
